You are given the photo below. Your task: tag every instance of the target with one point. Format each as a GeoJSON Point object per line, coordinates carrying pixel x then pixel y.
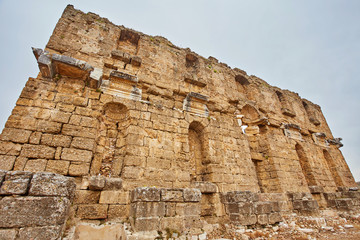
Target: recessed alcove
{"type": "Point", "coordinates": [191, 60]}
{"type": "Point", "coordinates": [242, 79]}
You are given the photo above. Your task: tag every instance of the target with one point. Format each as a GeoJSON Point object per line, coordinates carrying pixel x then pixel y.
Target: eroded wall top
{"type": "Point", "coordinates": [168, 71]}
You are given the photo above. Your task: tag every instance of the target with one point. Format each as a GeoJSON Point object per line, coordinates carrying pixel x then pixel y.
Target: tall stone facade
{"type": "Point", "coordinates": [156, 135]}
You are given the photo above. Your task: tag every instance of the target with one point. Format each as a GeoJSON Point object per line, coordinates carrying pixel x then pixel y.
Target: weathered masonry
{"type": "Point", "coordinates": [163, 138]}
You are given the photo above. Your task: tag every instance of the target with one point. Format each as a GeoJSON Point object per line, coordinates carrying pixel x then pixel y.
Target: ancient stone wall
{"type": "Point", "coordinates": [161, 209]}
{"type": "Point", "coordinates": [115, 106]}
{"type": "Point", "coordinates": [34, 205]}
{"type": "Point", "coordinates": [247, 208]}
{"type": "Point", "coordinates": [120, 113]}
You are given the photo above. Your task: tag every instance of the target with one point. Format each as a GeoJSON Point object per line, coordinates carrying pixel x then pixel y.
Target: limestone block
{"type": "Point", "coordinates": [114, 197]}
{"type": "Point", "coordinates": [123, 76]}
{"type": "Point", "coordinates": [193, 79]}
{"type": "Point", "coordinates": [55, 140]}
{"type": "Point", "coordinates": [274, 218]}
{"type": "Point", "coordinates": [246, 208]}
{"type": "Point", "coordinates": [188, 209]}
{"type": "Point", "coordinates": [84, 183]}
{"type": "Point", "coordinates": [192, 195]}
{"type": "Point", "coordinates": [293, 134]}
{"type": "Point", "coordinates": [108, 232]}
{"type": "Point", "coordinates": [192, 222]}
{"type": "Point", "coordinates": [15, 183]}
{"type": "Point", "coordinates": [35, 138]}
{"type": "Point", "coordinates": [130, 172]}
{"type": "Point", "coordinates": [36, 165]}
{"type": "Point", "coordinates": [9, 148]}
{"type": "Point", "coordinates": [46, 126]}
{"type": "Point", "coordinates": [51, 184]}
{"type": "Point", "coordinates": [344, 203]}
{"type": "Point", "coordinates": [147, 224]}
{"type": "Point", "coordinates": [80, 101]}
{"type": "Point", "coordinates": [20, 163]}
{"type": "Point", "coordinates": [92, 211]}
{"type": "Point", "coordinates": [96, 76]}
{"type": "Point", "coordinates": [136, 61]}
{"type": "Point", "coordinates": [277, 206]}
{"type": "Point", "coordinates": [113, 184]}
{"type": "Point", "coordinates": [239, 196]}
{"type": "Point", "coordinates": [122, 56]}
{"type": "Point", "coordinates": [331, 203]}
{"type": "Point", "coordinates": [299, 195]}
{"type": "Point", "coordinates": [262, 219]}
{"type": "Point", "coordinates": [316, 189]}
{"type": "Point", "coordinates": [2, 176]}
{"type": "Point", "coordinates": [172, 195]}
{"type": "Point", "coordinates": [96, 182]}
{"type": "Point", "coordinates": [8, 234]}
{"type": "Point", "coordinates": [147, 209]}
{"type": "Point", "coordinates": [71, 67]}
{"type": "Point", "coordinates": [65, 107]}
{"type": "Point", "coordinates": [310, 205]}
{"type": "Point", "coordinates": [48, 232]}
{"type": "Point", "coordinates": [332, 196]}
{"type": "Point", "coordinates": [174, 223]}
{"type": "Point", "coordinates": [351, 194]}
{"type": "Point", "coordinates": [32, 211]}
{"type": "Point", "coordinates": [298, 205]}
{"type": "Point", "coordinates": [7, 162]}
{"type": "Point", "coordinates": [45, 66]}
{"type": "Point", "coordinates": [170, 209]}
{"type": "Point", "coordinates": [83, 143]}
{"type": "Point", "coordinates": [76, 169]}
{"type": "Point", "coordinates": [77, 155]}
{"type": "Point", "coordinates": [15, 135]}
{"type": "Point", "coordinates": [244, 219]}
{"type": "Point", "coordinates": [86, 196]}
{"type": "Point", "coordinates": [78, 131]}
{"type": "Point", "coordinates": [118, 211]}
{"type": "Point", "coordinates": [59, 116]}
{"type": "Point", "coordinates": [38, 151]}
{"type": "Point", "coordinates": [58, 166]}
{"type": "Point", "coordinates": [206, 187]}
{"type": "Point", "coordinates": [252, 130]}
{"type": "Point", "coordinates": [263, 207]}
{"type": "Point", "coordinates": [145, 194]}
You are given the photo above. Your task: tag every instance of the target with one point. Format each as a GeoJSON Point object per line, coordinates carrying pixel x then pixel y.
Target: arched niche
{"type": "Point", "coordinates": [305, 165]}
{"type": "Point", "coordinates": [250, 113]}
{"type": "Point", "coordinates": [115, 111]}
{"type": "Point", "coordinates": [333, 168]}
{"type": "Point", "coordinates": [111, 143]}
{"type": "Point", "coordinates": [196, 151]}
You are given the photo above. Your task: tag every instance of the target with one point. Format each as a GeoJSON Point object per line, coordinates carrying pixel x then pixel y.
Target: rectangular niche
{"type": "Point", "coordinates": [293, 131]}
{"type": "Point", "coordinates": [129, 41]}
{"type": "Point", "coordinates": [320, 139]}
{"type": "Point", "coordinates": [286, 107]}
{"type": "Point", "coordinates": [122, 85]}
{"type": "Point", "coordinates": [196, 103]}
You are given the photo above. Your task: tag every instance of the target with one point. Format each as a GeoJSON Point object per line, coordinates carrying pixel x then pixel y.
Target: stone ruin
{"type": "Point", "coordinates": [124, 128]}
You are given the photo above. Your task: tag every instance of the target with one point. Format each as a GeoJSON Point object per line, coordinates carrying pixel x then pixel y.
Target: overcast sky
{"type": "Point", "coordinates": [309, 47]}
